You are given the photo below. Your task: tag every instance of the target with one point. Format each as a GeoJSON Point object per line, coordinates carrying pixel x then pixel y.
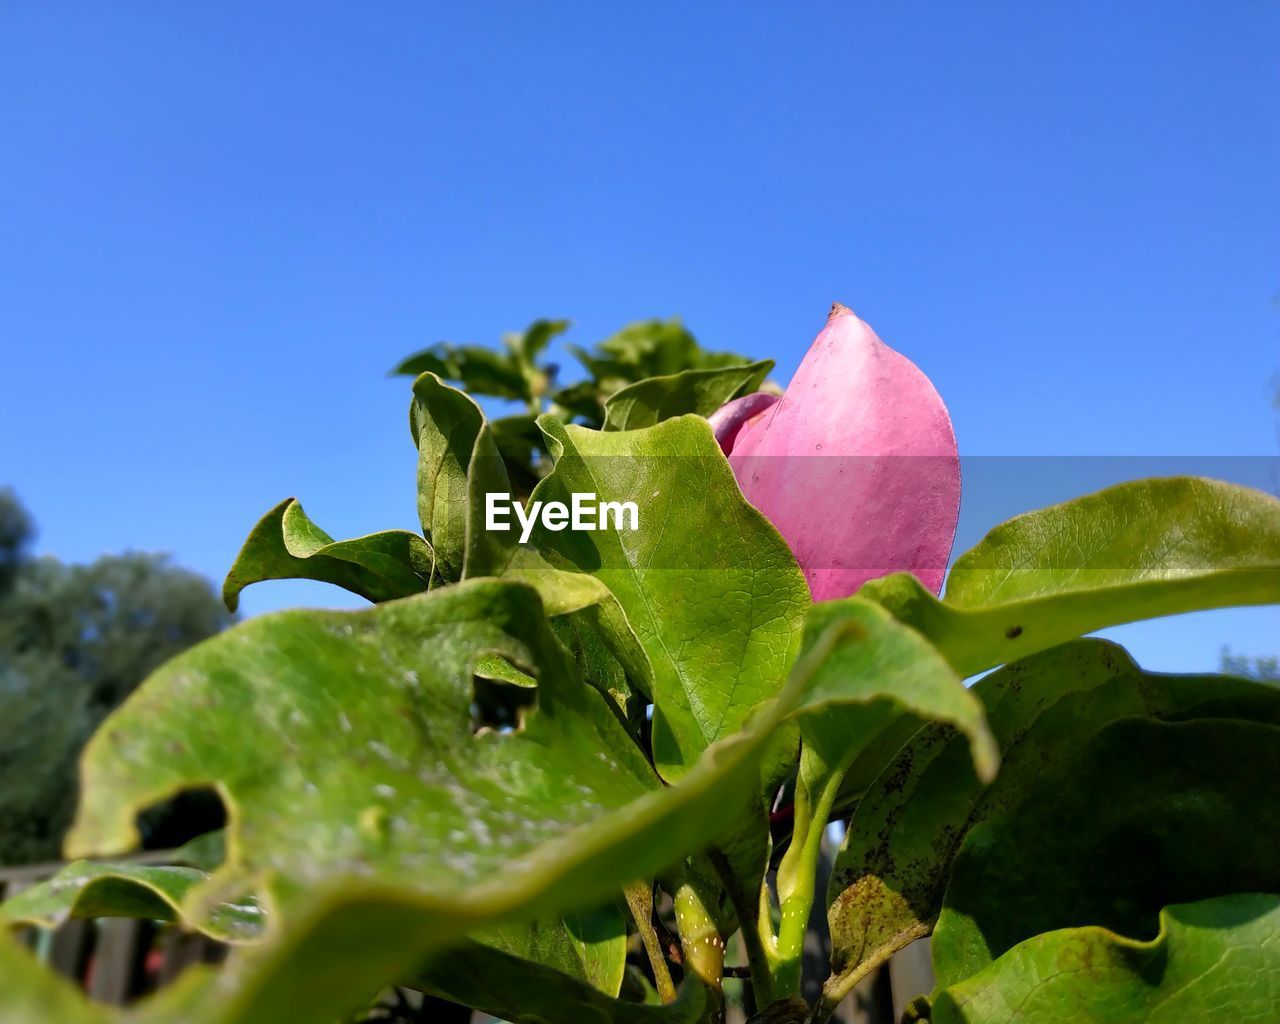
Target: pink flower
{"type": "Point", "coordinates": [856, 465]}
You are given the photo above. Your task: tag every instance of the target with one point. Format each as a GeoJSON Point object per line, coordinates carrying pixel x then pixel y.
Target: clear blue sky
{"type": "Point", "coordinates": [221, 223]}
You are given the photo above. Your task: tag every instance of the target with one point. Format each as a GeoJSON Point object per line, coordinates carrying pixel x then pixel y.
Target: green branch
{"type": "Point", "coordinates": [640, 899]}
{"type": "Point", "coordinates": [816, 788]}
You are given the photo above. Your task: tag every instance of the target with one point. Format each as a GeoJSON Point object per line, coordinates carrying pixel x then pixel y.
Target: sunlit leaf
{"type": "Point", "coordinates": [1134, 551]}
{"type": "Point", "coordinates": [458, 464]}
{"type": "Point", "coordinates": [707, 584]}
{"type": "Point", "coordinates": [287, 545]}
{"type": "Point", "coordinates": [1213, 962]}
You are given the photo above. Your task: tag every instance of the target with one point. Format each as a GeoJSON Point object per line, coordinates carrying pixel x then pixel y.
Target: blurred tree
{"type": "Point", "coordinates": [74, 642]}
{"type": "Point", "coordinates": [16, 531]}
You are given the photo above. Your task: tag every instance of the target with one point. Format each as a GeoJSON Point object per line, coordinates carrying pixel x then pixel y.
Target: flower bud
{"type": "Point", "coordinates": [856, 466]}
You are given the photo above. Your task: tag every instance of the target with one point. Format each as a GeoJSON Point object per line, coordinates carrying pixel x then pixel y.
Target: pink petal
{"type": "Point", "coordinates": [729, 420]}
{"type": "Point", "coordinates": [857, 465]}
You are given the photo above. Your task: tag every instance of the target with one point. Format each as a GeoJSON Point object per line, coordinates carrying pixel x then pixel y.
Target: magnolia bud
{"type": "Point", "coordinates": [856, 465]}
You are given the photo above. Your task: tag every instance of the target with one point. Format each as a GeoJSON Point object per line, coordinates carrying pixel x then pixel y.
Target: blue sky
{"type": "Point", "coordinates": [221, 223]}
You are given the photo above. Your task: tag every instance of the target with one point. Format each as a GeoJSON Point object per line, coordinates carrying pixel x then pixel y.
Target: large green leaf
{"type": "Point", "coordinates": [707, 584]}
{"type": "Point", "coordinates": [701, 392]}
{"type": "Point", "coordinates": [1213, 962]}
{"type": "Point", "coordinates": [458, 464]}
{"type": "Point", "coordinates": [343, 744]}
{"type": "Point", "coordinates": [287, 545]}
{"type": "Point", "coordinates": [1135, 551]}
{"type": "Point", "coordinates": [304, 719]}
{"type": "Point", "coordinates": [153, 891]}
{"type": "Point", "coordinates": [1147, 814]}
{"type": "Point", "coordinates": [887, 884]}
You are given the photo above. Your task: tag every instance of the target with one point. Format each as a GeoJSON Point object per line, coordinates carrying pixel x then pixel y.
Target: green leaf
{"type": "Point", "coordinates": [584, 638]}
{"type": "Point", "coordinates": [287, 545]}
{"type": "Point", "coordinates": [484, 371]}
{"type": "Point", "coordinates": [1147, 814]}
{"type": "Point", "coordinates": [1135, 551]}
{"type": "Point", "coordinates": [649, 348]}
{"type": "Point", "coordinates": [205, 852]}
{"type": "Point", "coordinates": [428, 360]}
{"type": "Point", "coordinates": [1212, 962]}
{"type": "Point", "coordinates": [343, 744]}
{"type": "Point", "coordinates": [152, 891]}
{"type": "Point", "coordinates": [707, 584]}
{"type": "Point", "coordinates": [519, 443]}
{"type": "Point", "coordinates": [882, 672]}
{"type": "Point", "coordinates": [591, 606]}
{"type": "Point", "coordinates": [891, 672]}
{"type": "Point", "coordinates": [34, 995]}
{"type": "Point", "coordinates": [322, 973]}
{"type": "Point", "coordinates": [700, 392]}
{"type": "Point", "coordinates": [496, 668]}
{"type": "Point", "coordinates": [888, 879]}
{"type": "Point", "coordinates": [537, 336]}
{"type": "Point", "coordinates": [301, 719]}
{"type": "Point", "coordinates": [588, 946]}
{"type": "Point", "coordinates": [458, 463]}
{"type": "Point", "coordinates": [582, 400]}
{"type": "Point", "coordinates": [517, 990]}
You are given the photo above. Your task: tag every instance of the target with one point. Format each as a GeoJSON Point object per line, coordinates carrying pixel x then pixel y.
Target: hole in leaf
{"type": "Point", "coordinates": [178, 820]}
{"type": "Point", "coordinates": [502, 695]}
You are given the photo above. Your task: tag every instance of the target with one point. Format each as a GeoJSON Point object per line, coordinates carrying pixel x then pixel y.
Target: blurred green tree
{"type": "Point", "coordinates": [74, 642]}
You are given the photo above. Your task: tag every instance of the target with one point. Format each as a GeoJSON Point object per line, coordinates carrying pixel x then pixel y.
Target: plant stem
{"type": "Point", "coordinates": [839, 986]}
{"type": "Point", "coordinates": [817, 785]}
{"type": "Point", "coordinates": [640, 900]}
